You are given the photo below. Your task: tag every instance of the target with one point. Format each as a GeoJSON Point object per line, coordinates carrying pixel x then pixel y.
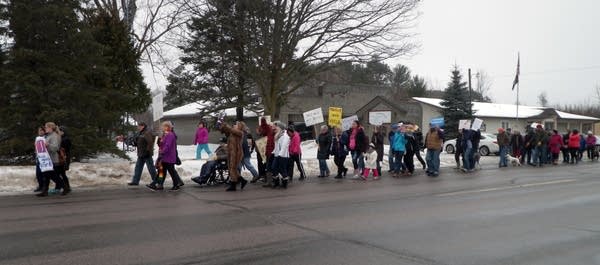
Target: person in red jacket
{"type": "Point", "coordinates": [265, 130]}
{"type": "Point", "coordinates": [574, 142]}
{"type": "Point", "coordinates": [201, 141]}
{"type": "Point", "coordinates": [295, 153]}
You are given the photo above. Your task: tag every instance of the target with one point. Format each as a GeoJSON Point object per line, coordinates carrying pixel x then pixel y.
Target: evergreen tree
{"type": "Point", "coordinates": [418, 87]}
{"type": "Point", "coordinates": [218, 53]}
{"type": "Point", "coordinates": [456, 103]}
{"type": "Point", "coordinates": [181, 89]}
{"type": "Point", "coordinates": [59, 72]}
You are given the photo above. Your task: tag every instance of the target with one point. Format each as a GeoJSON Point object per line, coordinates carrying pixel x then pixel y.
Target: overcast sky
{"type": "Point", "coordinates": [559, 42]}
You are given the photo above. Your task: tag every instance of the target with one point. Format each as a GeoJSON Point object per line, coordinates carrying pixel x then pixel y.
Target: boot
{"type": "Point", "coordinates": [269, 183]}
{"type": "Point", "coordinates": [243, 183]}
{"type": "Point", "coordinates": [276, 182]}
{"type": "Point", "coordinates": [232, 186]}
{"type": "Point", "coordinates": [255, 179]}
{"type": "Point", "coordinates": [284, 183]}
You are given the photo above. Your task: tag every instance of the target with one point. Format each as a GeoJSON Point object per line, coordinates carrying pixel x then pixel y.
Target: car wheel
{"type": "Point", "coordinates": [450, 149]}
{"type": "Point", "coordinates": [484, 151]}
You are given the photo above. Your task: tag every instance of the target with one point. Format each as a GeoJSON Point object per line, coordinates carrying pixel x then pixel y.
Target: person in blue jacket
{"type": "Point", "coordinates": [398, 148]}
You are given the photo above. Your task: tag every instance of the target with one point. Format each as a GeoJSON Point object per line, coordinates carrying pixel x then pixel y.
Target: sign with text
{"type": "Point", "coordinates": [313, 117]}
{"type": "Point", "coordinates": [157, 107]}
{"type": "Point", "coordinates": [380, 117]}
{"type": "Point", "coordinates": [335, 116]}
{"type": "Point", "coordinates": [347, 122]}
{"type": "Point", "coordinates": [477, 124]}
{"type": "Point", "coordinates": [464, 124]}
{"type": "Point", "coordinates": [439, 122]}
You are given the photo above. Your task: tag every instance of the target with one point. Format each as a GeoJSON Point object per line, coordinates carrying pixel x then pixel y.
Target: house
{"type": "Point", "coordinates": [187, 117]}
{"type": "Point", "coordinates": [497, 115]}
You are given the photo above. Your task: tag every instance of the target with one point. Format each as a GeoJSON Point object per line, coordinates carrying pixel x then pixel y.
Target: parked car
{"type": "Point", "coordinates": [487, 146]}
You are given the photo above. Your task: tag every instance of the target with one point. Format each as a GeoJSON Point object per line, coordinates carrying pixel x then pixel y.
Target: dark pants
{"type": "Point", "coordinates": [51, 175]}
{"type": "Point", "coordinates": [262, 167]}
{"type": "Point", "coordinates": [457, 157]}
{"type": "Point", "coordinates": [528, 154]}
{"type": "Point", "coordinates": [339, 162]}
{"type": "Point", "coordinates": [280, 167]}
{"type": "Point", "coordinates": [421, 160]}
{"type": "Point", "coordinates": [170, 168]}
{"type": "Point", "coordinates": [296, 159]}
{"type": "Point", "coordinates": [590, 152]}
{"type": "Point", "coordinates": [62, 173]}
{"type": "Point", "coordinates": [409, 162]}
{"type": "Point", "coordinates": [574, 155]}
{"type": "Point", "coordinates": [39, 177]}
{"type": "Point", "coordinates": [565, 153]}
{"type": "Point", "coordinates": [398, 165]}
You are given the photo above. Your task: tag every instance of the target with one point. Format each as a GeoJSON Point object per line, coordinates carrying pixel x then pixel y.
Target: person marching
{"type": "Point", "coordinates": [51, 145]}
{"type": "Point", "coordinates": [434, 141]}
{"type": "Point", "coordinates": [248, 146]}
{"type": "Point", "coordinates": [377, 140]}
{"type": "Point", "coordinates": [235, 136]}
{"type": "Point", "coordinates": [370, 164]}
{"type": "Point", "coordinates": [339, 150]}
{"type": "Point", "coordinates": [399, 148]}
{"type": "Point", "coordinates": [281, 152]}
{"type": "Point", "coordinates": [357, 145]}
{"type": "Point", "coordinates": [504, 144]}
{"type": "Point", "coordinates": [295, 153]}
{"type": "Point", "coordinates": [201, 140]}
{"type": "Point", "coordinates": [144, 142]}
{"type": "Point", "coordinates": [167, 159]}
{"type": "Point", "coordinates": [324, 145]}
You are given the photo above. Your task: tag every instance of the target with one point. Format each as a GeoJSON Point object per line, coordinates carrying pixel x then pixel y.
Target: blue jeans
{"type": "Point", "coordinates": [139, 166]}
{"type": "Point", "coordinates": [467, 158]}
{"type": "Point", "coordinates": [433, 161]}
{"type": "Point", "coordinates": [398, 155]}
{"type": "Point", "coordinates": [358, 160]}
{"type": "Point", "coordinates": [539, 155]}
{"type": "Point", "coordinates": [200, 148]}
{"type": "Point", "coordinates": [503, 160]}
{"type": "Point", "coordinates": [248, 165]}
{"type": "Point", "coordinates": [323, 168]}
{"type": "Point", "coordinates": [279, 166]}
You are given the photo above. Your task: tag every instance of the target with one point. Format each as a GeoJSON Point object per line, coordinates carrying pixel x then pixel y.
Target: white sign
{"type": "Point", "coordinates": [380, 117]}
{"type": "Point", "coordinates": [157, 107]}
{"type": "Point", "coordinates": [477, 124]}
{"type": "Point", "coordinates": [313, 117]}
{"type": "Point", "coordinates": [43, 158]}
{"type": "Point", "coordinates": [464, 124]}
{"type": "Point", "coordinates": [347, 122]}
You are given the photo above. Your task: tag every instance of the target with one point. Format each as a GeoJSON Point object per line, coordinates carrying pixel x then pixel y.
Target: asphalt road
{"type": "Point", "coordinates": [509, 216]}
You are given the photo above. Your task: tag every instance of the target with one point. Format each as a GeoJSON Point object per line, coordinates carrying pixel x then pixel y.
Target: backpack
{"type": "Point", "coordinates": [62, 156]}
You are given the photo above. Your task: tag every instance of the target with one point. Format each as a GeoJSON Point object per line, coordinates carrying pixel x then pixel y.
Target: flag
{"type": "Point", "coordinates": [518, 72]}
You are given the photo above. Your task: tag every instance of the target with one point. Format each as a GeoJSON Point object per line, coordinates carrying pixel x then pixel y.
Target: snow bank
{"type": "Point", "coordinates": [108, 170]}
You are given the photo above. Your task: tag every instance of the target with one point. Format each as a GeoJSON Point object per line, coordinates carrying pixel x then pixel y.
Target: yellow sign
{"type": "Point", "coordinates": [335, 116]}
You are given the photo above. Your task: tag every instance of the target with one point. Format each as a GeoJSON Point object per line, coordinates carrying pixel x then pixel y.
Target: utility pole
{"type": "Point", "coordinates": [470, 96]}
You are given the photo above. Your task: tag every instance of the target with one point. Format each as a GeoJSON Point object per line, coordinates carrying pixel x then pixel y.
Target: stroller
{"type": "Point", "coordinates": [214, 172]}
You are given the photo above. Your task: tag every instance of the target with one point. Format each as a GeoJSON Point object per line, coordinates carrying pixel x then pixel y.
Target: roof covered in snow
{"type": "Point", "coordinates": [495, 110]}
{"type": "Point", "coordinates": [194, 109]}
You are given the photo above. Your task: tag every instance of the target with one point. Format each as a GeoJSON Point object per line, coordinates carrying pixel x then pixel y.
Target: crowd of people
{"type": "Point", "coordinates": [278, 152]}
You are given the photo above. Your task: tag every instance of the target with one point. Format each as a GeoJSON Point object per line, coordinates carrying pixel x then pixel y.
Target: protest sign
{"type": "Point", "coordinates": [313, 117]}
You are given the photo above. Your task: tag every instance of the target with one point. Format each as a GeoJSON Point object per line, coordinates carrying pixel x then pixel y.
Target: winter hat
{"type": "Point", "coordinates": [539, 126]}
{"type": "Point", "coordinates": [590, 132]}
{"type": "Point", "coordinates": [500, 130]}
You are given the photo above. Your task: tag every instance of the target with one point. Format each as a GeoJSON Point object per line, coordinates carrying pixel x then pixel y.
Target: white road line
{"type": "Point", "coordinates": [506, 187]}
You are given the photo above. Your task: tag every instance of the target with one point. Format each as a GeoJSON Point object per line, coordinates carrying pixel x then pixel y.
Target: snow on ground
{"type": "Point", "coordinates": [107, 170]}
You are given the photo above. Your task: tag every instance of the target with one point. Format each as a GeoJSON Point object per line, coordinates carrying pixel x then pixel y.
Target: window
{"type": "Point", "coordinates": [505, 125]}
{"type": "Point", "coordinates": [549, 125]}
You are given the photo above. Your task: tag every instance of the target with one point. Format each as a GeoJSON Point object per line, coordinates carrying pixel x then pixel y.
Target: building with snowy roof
{"type": "Point", "coordinates": [187, 117]}
{"type": "Point", "coordinates": [497, 116]}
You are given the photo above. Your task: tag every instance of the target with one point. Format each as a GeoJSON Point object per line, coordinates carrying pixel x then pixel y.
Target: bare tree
{"type": "Point", "coordinates": [151, 24]}
{"type": "Point", "coordinates": [543, 99]}
{"type": "Point", "coordinates": [296, 39]}
{"type": "Point", "coordinates": [484, 83]}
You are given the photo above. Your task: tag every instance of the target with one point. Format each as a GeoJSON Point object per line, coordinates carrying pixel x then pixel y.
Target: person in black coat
{"type": "Point", "coordinates": [377, 139]}
{"type": "Point", "coordinates": [324, 142]}
{"type": "Point", "coordinates": [339, 150]}
{"type": "Point", "coordinates": [458, 150]}
{"type": "Point", "coordinates": [419, 138]}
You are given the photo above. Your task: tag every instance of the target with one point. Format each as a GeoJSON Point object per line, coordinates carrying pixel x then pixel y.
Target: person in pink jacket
{"type": "Point", "coordinates": [295, 153]}
{"type": "Point", "coordinates": [201, 140]}
{"type": "Point", "coordinates": [555, 145]}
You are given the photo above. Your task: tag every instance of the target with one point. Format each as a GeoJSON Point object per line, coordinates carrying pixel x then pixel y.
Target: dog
{"type": "Point", "coordinates": [515, 161]}
{"type": "Point", "coordinates": [476, 158]}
